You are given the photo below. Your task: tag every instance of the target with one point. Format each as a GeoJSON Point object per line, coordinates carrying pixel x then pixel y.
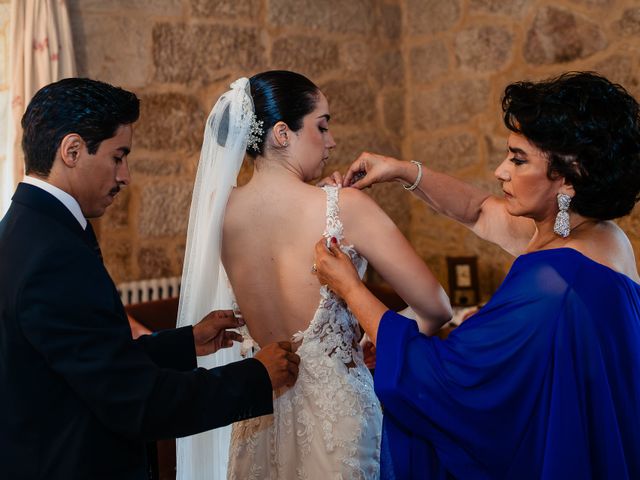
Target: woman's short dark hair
{"type": "Point", "coordinates": [589, 129]}
{"type": "Point", "coordinates": [280, 95]}
{"type": "Point", "coordinates": [92, 109]}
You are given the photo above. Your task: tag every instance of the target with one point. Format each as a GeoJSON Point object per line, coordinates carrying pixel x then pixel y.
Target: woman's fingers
{"type": "Point", "coordinates": [333, 267]}
{"type": "Point", "coordinates": [334, 247]}
{"type": "Point", "coordinates": [323, 258]}
{"type": "Point", "coordinates": [355, 173]}
{"type": "Point", "coordinates": [321, 249]}
{"type": "Point", "coordinates": [365, 171]}
{"type": "Point", "coordinates": [333, 180]}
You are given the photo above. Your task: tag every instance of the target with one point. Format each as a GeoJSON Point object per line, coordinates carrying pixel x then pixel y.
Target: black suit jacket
{"type": "Point", "coordinates": [79, 397]}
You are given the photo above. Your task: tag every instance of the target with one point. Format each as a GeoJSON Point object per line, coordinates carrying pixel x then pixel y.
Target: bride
{"type": "Point", "coordinates": [257, 242]}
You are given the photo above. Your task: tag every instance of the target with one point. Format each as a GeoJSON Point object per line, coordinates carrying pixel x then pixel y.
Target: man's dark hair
{"type": "Point", "coordinates": [280, 95]}
{"type": "Point", "coordinates": [92, 109]}
{"type": "Point", "coordinates": [589, 128]}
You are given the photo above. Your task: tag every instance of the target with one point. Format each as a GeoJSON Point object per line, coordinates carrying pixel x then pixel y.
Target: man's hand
{"type": "Point", "coordinates": [281, 363]}
{"type": "Point", "coordinates": [137, 329]}
{"type": "Point", "coordinates": [210, 334]}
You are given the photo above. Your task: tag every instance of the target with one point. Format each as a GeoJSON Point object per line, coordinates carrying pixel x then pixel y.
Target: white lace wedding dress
{"type": "Point", "coordinates": [328, 425]}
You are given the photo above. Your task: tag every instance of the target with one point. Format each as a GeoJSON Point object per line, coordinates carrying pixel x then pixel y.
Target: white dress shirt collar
{"type": "Point", "coordinates": [67, 200]}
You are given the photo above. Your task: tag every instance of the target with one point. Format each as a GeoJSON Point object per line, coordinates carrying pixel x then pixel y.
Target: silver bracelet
{"type": "Point", "coordinates": [415, 184]}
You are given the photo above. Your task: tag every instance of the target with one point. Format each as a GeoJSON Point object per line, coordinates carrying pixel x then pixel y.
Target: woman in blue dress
{"type": "Point", "coordinates": [544, 381]}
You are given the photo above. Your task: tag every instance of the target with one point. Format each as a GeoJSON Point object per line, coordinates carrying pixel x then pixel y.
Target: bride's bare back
{"type": "Point", "coordinates": [272, 224]}
{"type": "Point", "coordinates": [269, 233]}
{"type": "Point", "coordinates": [271, 227]}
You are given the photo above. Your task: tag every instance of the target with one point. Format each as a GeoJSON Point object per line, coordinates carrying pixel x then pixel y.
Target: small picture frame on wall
{"type": "Point", "coordinates": [464, 290]}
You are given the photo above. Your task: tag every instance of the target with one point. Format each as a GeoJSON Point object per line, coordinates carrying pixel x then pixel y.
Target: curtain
{"type": "Point", "coordinates": [6, 176]}
{"type": "Point", "coordinates": [40, 52]}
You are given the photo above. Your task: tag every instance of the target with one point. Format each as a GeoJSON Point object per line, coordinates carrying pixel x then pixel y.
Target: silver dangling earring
{"type": "Point", "coordinates": [561, 227]}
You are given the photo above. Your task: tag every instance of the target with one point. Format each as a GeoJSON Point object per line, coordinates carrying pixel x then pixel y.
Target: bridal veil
{"type": "Point", "coordinates": [205, 286]}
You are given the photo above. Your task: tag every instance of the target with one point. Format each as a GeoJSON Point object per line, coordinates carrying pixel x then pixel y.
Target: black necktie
{"type": "Point", "coordinates": [93, 241]}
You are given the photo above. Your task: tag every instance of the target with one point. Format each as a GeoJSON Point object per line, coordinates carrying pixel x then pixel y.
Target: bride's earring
{"type": "Point", "coordinates": [562, 227]}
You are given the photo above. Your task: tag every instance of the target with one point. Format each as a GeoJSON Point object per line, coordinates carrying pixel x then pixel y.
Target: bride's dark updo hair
{"type": "Point", "coordinates": [280, 95]}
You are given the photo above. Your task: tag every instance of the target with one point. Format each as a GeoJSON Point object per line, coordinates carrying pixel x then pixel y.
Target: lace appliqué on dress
{"type": "Point", "coordinates": [328, 425]}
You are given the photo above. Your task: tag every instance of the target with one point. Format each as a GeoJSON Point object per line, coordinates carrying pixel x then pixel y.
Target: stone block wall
{"type": "Point", "coordinates": [458, 57]}
{"type": "Point", "coordinates": [413, 78]}
{"type": "Point", "coordinates": [180, 55]}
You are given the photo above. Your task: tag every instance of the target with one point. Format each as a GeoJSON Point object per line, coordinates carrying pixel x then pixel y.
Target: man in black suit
{"type": "Point", "coordinates": [79, 397]}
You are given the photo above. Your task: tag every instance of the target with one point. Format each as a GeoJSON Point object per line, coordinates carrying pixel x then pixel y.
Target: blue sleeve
{"type": "Point", "coordinates": [399, 380]}
{"type": "Point", "coordinates": [540, 383]}
{"type": "Point", "coordinates": [466, 397]}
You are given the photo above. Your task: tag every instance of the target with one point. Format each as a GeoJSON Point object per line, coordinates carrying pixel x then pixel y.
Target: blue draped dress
{"type": "Point", "coordinates": [542, 383]}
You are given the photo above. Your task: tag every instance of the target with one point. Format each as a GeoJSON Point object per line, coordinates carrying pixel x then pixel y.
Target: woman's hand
{"type": "Point", "coordinates": [333, 180]}
{"type": "Point", "coordinates": [335, 269]}
{"type": "Point", "coordinates": [368, 352]}
{"type": "Point", "coordinates": [371, 168]}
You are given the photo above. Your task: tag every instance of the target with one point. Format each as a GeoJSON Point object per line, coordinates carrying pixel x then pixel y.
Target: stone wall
{"type": "Point", "coordinates": [416, 78]}
{"type": "Point", "coordinates": [180, 55]}
{"type": "Point", "coordinates": [458, 57]}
